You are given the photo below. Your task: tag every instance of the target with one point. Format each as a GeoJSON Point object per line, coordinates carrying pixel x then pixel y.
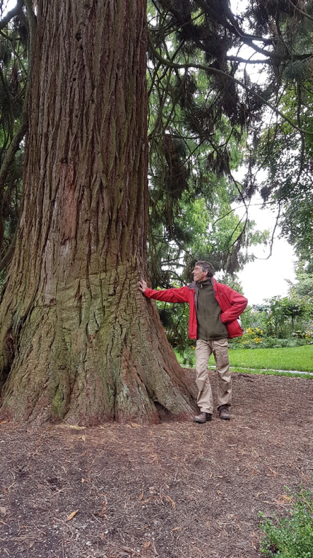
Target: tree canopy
{"type": "Point", "coordinates": [238, 87]}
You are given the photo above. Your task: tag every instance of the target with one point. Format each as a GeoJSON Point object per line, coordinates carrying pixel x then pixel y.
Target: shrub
{"type": "Point", "coordinates": [256, 338]}
{"type": "Point", "coordinates": [268, 343]}
{"type": "Point", "coordinates": [186, 357]}
{"type": "Point", "coordinates": [292, 536]}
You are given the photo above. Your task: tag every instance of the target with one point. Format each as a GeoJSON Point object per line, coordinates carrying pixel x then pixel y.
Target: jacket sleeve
{"type": "Point", "coordinates": [237, 304]}
{"type": "Point", "coordinates": [168, 295]}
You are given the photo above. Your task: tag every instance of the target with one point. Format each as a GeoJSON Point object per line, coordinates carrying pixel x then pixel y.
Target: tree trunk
{"type": "Point", "coordinates": [78, 341]}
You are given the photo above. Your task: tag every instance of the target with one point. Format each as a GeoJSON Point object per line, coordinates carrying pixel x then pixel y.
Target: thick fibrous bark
{"type": "Point", "coordinates": [78, 341]}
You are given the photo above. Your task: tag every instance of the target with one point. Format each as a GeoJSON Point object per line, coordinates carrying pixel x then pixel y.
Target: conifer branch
{"type": "Point", "coordinates": [216, 71]}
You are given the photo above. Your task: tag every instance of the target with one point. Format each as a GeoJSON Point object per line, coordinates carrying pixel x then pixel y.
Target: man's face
{"type": "Point", "coordinates": [198, 274]}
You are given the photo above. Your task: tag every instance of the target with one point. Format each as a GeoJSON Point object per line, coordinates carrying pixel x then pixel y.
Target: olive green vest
{"type": "Point", "coordinates": [209, 322]}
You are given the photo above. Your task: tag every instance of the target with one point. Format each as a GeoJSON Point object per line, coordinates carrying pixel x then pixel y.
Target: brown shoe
{"type": "Point", "coordinates": [203, 417]}
{"type": "Point", "coordinates": [224, 412]}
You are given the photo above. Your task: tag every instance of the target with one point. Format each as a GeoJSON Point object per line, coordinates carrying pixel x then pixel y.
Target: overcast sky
{"type": "Point", "coordinates": [265, 278]}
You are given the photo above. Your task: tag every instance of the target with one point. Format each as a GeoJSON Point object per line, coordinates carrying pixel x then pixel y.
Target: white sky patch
{"type": "Point", "coordinates": [9, 5]}
{"type": "Point", "coordinates": [265, 278]}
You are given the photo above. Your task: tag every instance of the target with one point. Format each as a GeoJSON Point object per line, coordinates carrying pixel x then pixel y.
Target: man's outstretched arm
{"type": "Point", "coordinates": [168, 295]}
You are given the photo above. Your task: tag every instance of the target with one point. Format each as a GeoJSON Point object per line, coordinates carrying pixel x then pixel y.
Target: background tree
{"type": "Point", "coordinates": [303, 286]}
{"type": "Point", "coordinates": [195, 144]}
{"type": "Point", "coordinates": [282, 149]}
{"type": "Point", "coordinates": [13, 119]}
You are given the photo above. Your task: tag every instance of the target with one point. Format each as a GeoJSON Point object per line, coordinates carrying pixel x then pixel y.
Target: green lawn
{"type": "Point", "coordinates": [264, 361]}
{"type": "Point", "coordinates": [287, 358]}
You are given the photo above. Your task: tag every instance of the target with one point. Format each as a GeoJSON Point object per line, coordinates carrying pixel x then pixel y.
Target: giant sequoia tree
{"type": "Point", "coordinates": [78, 341]}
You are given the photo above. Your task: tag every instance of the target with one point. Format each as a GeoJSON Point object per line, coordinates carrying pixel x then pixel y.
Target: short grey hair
{"type": "Point", "coordinates": [206, 267]}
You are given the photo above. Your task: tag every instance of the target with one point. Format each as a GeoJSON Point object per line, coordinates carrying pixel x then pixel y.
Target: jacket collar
{"type": "Point", "coordinates": [195, 286]}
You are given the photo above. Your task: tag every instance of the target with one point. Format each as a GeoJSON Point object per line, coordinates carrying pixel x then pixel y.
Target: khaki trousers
{"type": "Point", "coordinates": [204, 349]}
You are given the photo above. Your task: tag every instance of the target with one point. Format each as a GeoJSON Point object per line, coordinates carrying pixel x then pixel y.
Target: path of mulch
{"type": "Point", "coordinates": [176, 490]}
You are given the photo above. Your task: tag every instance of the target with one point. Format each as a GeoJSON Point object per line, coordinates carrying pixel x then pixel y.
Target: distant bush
{"type": "Point", "coordinates": [257, 339]}
{"type": "Point", "coordinates": [292, 536]}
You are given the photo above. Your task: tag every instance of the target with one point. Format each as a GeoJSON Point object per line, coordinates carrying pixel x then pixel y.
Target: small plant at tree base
{"type": "Point", "coordinates": [292, 536]}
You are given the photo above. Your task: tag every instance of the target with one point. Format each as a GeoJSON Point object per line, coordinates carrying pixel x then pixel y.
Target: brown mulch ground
{"type": "Point", "coordinates": [176, 490]}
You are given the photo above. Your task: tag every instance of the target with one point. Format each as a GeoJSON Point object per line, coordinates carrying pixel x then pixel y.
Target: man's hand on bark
{"type": "Point", "coordinates": [142, 285]}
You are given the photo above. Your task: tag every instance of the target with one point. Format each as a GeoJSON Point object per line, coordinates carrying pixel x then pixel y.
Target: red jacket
{"type": "Point", "coordinates": [232, 304]}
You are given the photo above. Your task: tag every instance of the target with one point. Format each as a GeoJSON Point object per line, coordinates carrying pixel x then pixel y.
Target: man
{"type": "Point", "coordinates": [214, 309]}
